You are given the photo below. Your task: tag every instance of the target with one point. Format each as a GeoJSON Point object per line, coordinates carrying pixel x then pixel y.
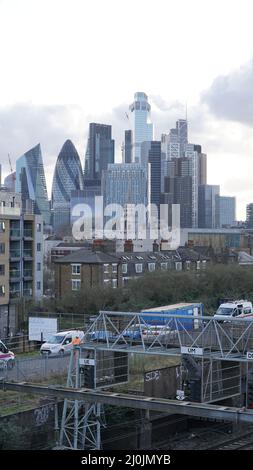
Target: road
{"type": "Point", "coordinates": [38, 367]}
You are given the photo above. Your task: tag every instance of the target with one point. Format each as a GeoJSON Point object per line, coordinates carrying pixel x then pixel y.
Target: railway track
{"type": "Point", "coordinates": [240, 442]}
{"type": "Point", "coordinates": [209, 439]}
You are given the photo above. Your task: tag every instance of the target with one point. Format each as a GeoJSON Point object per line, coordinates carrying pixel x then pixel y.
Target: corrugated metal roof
{"type": "Point", "coordinates": [170, 307]}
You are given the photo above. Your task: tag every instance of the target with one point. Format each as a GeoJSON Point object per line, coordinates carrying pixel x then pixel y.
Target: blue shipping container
{"type": "Point", "coordinates": [157, 317]}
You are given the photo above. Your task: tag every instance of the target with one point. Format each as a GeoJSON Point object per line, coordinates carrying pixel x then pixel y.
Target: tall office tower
{"type": "Point", "coordinates": [202, 165]}
{"type": "Point", "coordinates": [208, 213]}
{"type": "Point", "coordinates": [249, 215]}
{"type": "Point", "coordinates": [31, 182]}
{"type": "Point", "coordinates": [174, 143]}
{"type": "Point", "coordinates": [127, 154]}
{"type": "Point", "coordinates": [227, 210]}
{"type": "Point", "coordinates": [151, 160]}
{"type": "Point", "coordinates": [125, 184]}
{"type": "Point", "coordinates": [10, 182]}
{"type": "Point", "coordinates": [182, 132]}
{"type": "Point", "coordinates": [192, 154]}
{"type": "Point", "coordinates": [178, 190]}
{"type": "Point", "coordinates": [68, 176]}
{"type": "Point", "coordinates": [99, 152]}
{"type": "Point", "coordinates": [173, 146]}
{"type": "Point", "coordinates": [142, 127]}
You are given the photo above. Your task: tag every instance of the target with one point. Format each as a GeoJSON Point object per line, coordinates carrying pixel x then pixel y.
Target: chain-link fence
{"type": "Point", "coordinates": [39, 368]}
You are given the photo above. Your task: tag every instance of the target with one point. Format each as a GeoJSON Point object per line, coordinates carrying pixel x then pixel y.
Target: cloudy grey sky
{"type": "Point", "coordinates": [65, 63]}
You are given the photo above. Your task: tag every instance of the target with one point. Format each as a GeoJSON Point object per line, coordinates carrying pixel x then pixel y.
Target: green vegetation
{"type": "Point", "coordinates": [161, 288]}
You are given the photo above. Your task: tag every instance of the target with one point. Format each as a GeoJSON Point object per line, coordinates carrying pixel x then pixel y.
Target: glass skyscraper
{"type": "Point", "coordinates": [125, 184]}
{"type": "Point", "coordinates": [151, 159]}
{"type": "Point", "coordinates": [99, 151]}
{"type": "Point", "coordinates": [227, 210]}
{"type": "Point", "coordinates": [68, 177]}
{"type": "Point", "coordinates": [31, 182]}
{"type": "Point", "coordinates": [208, 213]}
{"type": "Point", "coordinates": [142, 128]}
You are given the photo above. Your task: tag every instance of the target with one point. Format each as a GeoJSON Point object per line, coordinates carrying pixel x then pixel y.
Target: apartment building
{"type": "Point", "coordinates": [84, 268]}
{"type": "Point", "coordinates": [21, 261]}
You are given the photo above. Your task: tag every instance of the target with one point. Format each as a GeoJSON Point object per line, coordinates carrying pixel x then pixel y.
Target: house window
{"type": "Point", "coordinates": [125, 280]}
{"type": "Point", "coordinates": [164, 266]}
{"type": "Point", "coordinates": [38, 285]}
{"type": "Point", "coordinates": [2, 291]}
{"type": "Point", "coordinates": [76, 284]}
{"type": "Point", "coordinates": [114, 283]}
{"type": "Point", "coordinates": [76, 269]}
{"type": "Point", "coordinates": [188, 265]}
{"type": "Point", "coordinates": [2, 269]}
{"type": "Point", "coordinates": [107, 282]}
{"type": "Point", "coordinates": [38, 246]}
{"type": "Point", "coordinates": [178, 266]}
{"type": "Point", "coordinates": [204, 264]}
{"type": "Point", "coordinates": [106, 268]}
{"type": "Point", "coordinates": [38, 227]}
{"type": "Point", "coordinates": [114, 268]}
{"type": "Point", "coordinates": [151, 267]}
{"type": "Point", "coordinates": [198, 264]}
{"type": "Point", "coordinates": [2, 226]}
{"type": "Point", "coordinates": [124, 268]}
{"type": "Point", "coordinates": [2, 248]}
{"type": "Point", "coordinates": [38, 266]}
{"type": "Point", "coordinates": [138, 268]}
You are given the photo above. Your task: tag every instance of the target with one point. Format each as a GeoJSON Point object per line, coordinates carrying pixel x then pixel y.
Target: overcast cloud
{"type": "Point", "coordinates": [24, 125]}
{"type": "Point", "coordinates": [231, 96]}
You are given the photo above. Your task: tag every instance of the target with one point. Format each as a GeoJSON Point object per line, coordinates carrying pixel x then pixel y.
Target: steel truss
{"type": "Point", "coordinates": [230, 340]}
{"type": "Point", "coordinates": [204, 348]}
{"type": "Point", "coordinates": [81, 421]}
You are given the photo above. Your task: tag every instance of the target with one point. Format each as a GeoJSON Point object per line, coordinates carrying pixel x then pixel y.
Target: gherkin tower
{"type": "Point", "coordinates": [68, 177]}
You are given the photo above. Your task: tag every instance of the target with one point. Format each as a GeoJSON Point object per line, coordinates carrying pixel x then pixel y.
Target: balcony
{"type": "Point", "coordinates": [28, 253]}
{"type": "Point", "coordinates": [15, 233]}
{"type": "Point", "coordinates": [14, 274]}
{"type": "Point", "coordinates": [28, 292]}
{"type": "Point", "coordinates": [28, 233]}
{"type": "Point", "coordinates": [16, 211]}
{"type": "Point", "coordinates": [14, 254]}
{"type": "Point", "coordinates": [28, 273]}
{"type": "Point", "coordinates": [14, 294]}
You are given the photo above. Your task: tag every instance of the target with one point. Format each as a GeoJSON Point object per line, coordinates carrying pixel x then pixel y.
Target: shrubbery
{"type": "Point", "coordinates": [162, 288]}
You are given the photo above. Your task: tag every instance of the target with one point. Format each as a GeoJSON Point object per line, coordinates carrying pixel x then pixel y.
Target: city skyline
{"type": "Point", "coordinates": [90, 155]}
{"type": "Point", "coordinates": [210, 71]}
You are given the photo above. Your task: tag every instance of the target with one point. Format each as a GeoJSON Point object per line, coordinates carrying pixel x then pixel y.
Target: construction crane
{"type": "Point", "coordinates": [9, 158]}
{"type": "Point", "coordinates": [13, 174]}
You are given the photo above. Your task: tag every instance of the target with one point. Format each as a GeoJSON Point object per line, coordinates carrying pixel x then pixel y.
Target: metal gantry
{"type": "Point", "coordinates": [200, 336]}
{"type": "Point", "coordinates": [81, 420]}
{"type": "Point", "coordinates": [214, 354]}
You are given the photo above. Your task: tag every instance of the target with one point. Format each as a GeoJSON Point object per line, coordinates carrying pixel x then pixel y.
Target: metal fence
{"type": "Point", "coordinates": [66, 321]}
{"type": "Point", "coordinates": [37, 368]}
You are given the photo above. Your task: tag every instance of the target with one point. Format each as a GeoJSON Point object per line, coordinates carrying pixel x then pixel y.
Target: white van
{"type": "Point", "coordinates": [60, 342]}
{"type": "Point", "coordinates": [236, 308]}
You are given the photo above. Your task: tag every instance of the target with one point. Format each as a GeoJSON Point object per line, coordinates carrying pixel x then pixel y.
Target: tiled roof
{"type": "Point", "coordinates": [88, 257]}
{"type": "Point", "coordinates": [85, 256]}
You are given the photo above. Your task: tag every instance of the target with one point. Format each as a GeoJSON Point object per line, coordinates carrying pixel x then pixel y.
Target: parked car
{"type": "Point", "coordinates": [61, 342]}
{"type": "Point", "coordinates": [162, 332]}
{"type": "Point", "coordinates": [7, 358]}
{"type": "Point", "coordinates": [134, 332]}
{"type": "Point", "coordinates": [101, 335]}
